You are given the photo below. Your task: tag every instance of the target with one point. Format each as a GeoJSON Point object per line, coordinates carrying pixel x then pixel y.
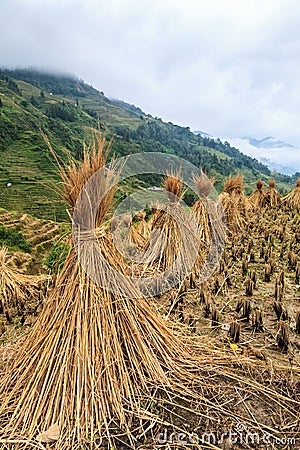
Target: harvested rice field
{"type": "Point", "coordinates": [206, 364]}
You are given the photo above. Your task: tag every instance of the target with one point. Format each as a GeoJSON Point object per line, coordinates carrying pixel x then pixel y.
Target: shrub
{"type": "Point", "coordinates": [13, 240]}
{"type": "Point", "coordinates": [56, 258]}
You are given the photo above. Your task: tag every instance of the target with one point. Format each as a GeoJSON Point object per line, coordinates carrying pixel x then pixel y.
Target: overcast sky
{"type": "Point", "coordinates": [227, 67]}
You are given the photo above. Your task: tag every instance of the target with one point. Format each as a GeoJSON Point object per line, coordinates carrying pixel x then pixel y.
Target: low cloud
{"type": "Point", "coordinates": [285, 159]}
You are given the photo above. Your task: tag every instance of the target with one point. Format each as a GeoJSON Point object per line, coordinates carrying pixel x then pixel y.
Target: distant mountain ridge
{"type": "Point", "coordinates": [278, 155]}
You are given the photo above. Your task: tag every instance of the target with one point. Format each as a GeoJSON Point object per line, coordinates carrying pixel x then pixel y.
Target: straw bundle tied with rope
{"type": "Point", "coordinates": [136, 238]}
{"type": "Point", "coordinates": [273, 198]}
{"type": "Point", "coordinates": [208, 213]}
{"type": "Point", "coordinates": [131, 236]}
{"type": "Point", "coordinates": [173, 187]}
{"type": "Point", "coordinates": [96, 366]}
{"type": "Point", "coordinates": [235, 204]}
{"type": "Point", "coordinates": [168, 222]}
{"type": "Point", "coordinates": [92, 355]}
{"type": "Point", "coordinates": [199, 208]}
{"type": "Point", "coordinates": [258, 197]}
{"type": "Point", "coordinates": [143, 227]}
{"type": "Point", "coordinates": [292, 200]}
{"type": "Point", "coordinates": [16, 288]}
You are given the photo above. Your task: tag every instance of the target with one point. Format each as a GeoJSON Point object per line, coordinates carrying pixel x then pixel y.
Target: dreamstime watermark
{"type": "Point", "coordinates": [94, 192]}
{"type": "Point", "coordinates": [238, 435]}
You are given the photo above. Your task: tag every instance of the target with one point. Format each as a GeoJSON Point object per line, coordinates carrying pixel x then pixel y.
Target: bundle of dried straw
{"type": "Point", "coordinates": [273, 198]}
{"type": "Point", "coordinates": [15, 287]}
{"type": "Point", "coordinates": [292, 200]}
{"type": "Point", "coordinates": [235, 204]}
{"type": "Point", "coordinates": [200, 207]}
{"type": "Point", "coordinates": [143, 227]}
{"type": "Point", "coordinates": [92, 354]}
{"type": "Point", "coordinates": [97, 364]}
{"type": "Point", "coordinates": [258, 197]}
{"type": "Point", "coordinates": [167, 225]}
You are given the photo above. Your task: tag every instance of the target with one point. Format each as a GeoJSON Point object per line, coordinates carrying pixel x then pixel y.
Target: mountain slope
{"type": "Point", "coordinates": [65, 109]}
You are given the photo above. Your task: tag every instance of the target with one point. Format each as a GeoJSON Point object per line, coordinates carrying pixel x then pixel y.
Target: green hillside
{"type": "Point", "coordinates": [65, 109]}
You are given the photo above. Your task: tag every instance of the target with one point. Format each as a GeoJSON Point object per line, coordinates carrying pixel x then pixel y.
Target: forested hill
{"type": "Point", "coordinates": [65, 108]}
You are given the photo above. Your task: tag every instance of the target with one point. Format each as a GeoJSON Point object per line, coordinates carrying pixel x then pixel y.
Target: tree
{"type": "Point", "coordinates": [42, 94]}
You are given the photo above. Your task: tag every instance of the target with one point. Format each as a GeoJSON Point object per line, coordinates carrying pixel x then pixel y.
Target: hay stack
{"type": "Point", "coordinates": [135, 238]}
{"type": "Point", "coordinates": [168, 245]}
{"type": "Point", "coordinates": [143, 227]}
{"type": "Point", "coordinates": [235, 204]}
{"type": "Point", "coordinates": [173, 187]}
{"type": "Point", "coordinates": [164, 221]}
{"type": "Point", "coordinates": [200, 207]}
{"type": "Point", "coordinates": [292, 200]}
{"type": "Point", "coordinates": [91, 355]}
{"type": "Point", "coordinates": [258, 197]}
{"type": "Point", "coordinates": [273, 198]}
{"type": "Point", "coordinates": [209, 216]}
{"type": "Point", "coordinates": [16, 288]}
{"type": "Point", "coordinates": [95, 361]}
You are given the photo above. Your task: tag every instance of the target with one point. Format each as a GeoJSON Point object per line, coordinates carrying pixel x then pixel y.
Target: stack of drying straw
{"type": "Point", "coordinates": [97, 364]}
{"type": "Point", "coordinates": [292, 200]}
{"type": "Point", "coordinates": [235, 204]}
{"type": "Point", "coordinates": [15, 287]}
{"type": "Point", "coordinates": [258, 197]}
{"type": "Point", "coordinates": [273, 198]}
{"type": "Point", "coordinates": [92, 355]}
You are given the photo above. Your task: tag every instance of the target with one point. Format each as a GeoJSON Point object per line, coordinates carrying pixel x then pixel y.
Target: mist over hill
{"type": "Point", "coordinates": [278, 155]}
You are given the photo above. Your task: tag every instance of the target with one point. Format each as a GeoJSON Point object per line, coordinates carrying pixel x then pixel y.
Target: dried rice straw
{"type": "Point", "coordinates": [273, 198]}
{"type": "Point", "coordinates": [16, 288]}
{"type": "Point", "coordinates": [258, 197]}
{"type": "Point", "coordinates": [95, 361]}
{"type": "Point", "coordinates": [292, 200]}
{"type": "Point", "coordinates": [235, 204]}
